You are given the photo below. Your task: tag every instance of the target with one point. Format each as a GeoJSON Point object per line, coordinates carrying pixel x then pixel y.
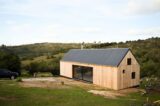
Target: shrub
{"type": "Point", "coordinates": [9, 60]}
{"type": "Point", "coordinates": [43, 66]}
{"type": "Point", "coordinates": [149, 84]}
{"type": "Point", "coordinates": [62, 82]}
{"type": "Point", "coordinates": [19, 79]}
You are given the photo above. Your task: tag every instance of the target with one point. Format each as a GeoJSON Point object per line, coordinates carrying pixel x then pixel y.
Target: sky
{"type": "Point", "coordinates": [36, 21]}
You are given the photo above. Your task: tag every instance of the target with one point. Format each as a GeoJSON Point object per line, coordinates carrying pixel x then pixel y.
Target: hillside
{"type": "Point", "coordinates": [146, 51]}
{"type": "Point", "coordinates": [41, 49]}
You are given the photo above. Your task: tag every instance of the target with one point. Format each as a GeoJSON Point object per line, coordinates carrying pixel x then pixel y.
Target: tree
{"type": "Point", "coordinates": [44, 66]}
{"type": "Point", "coordinates": [9, 60]}
{"type": "Point", "coordinates": [33, 68]}
{"type": "Point", "coordinates": [55, 69]}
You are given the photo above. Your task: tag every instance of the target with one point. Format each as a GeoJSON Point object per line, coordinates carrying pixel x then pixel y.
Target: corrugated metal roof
{"type": "Point", "coordinates": [110, 56]}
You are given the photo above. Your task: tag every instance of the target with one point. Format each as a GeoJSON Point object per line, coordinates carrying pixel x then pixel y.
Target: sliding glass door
{"type": "Point", "coordinates": [83, 73]}
{"type": "Point", "coordinates": [77, 72]}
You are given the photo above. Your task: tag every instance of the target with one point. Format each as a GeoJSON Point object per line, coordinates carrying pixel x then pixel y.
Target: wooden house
{"type": "Point", "coordinates": [114, 68]}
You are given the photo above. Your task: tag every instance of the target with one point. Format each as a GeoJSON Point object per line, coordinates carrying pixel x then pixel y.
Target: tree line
{"type": "Point", "coordinates": [147, 52]}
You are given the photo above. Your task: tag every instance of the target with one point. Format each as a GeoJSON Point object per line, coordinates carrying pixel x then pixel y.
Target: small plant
{"type": "Point", "coordinates": [19, 79]}
{"type": "Point", "coordinates": [62, 82]}
{"type": "Point", "coordinates": [48, 57]}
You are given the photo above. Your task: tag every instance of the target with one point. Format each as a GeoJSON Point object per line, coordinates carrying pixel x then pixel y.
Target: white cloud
{"type": "Point", "coordinates": [81, 30]}
{"type": "Point", "coordinates": [143, 6]}
{"type": "Point", "coordinates": [51, 30]}
{"type": "Point", "coordinates": [154, 31]}
{"type": "Point", "coordinates": [52, 8]}
{"type": "Point", "coordinates": [19, 29]}
{"type": "Point", "coordinates": [10, 22]}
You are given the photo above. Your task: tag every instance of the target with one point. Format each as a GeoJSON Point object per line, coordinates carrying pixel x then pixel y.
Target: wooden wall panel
{"type": "Point", "coordinates": [124, 79]}
{"type": "Point", "coordinates": [66, 69]}
{"type": "Point", "coordinates": [105, 76]}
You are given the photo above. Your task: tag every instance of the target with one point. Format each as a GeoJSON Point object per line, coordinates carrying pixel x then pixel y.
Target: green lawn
{"type": "Point", "coordinates": [12, 94]}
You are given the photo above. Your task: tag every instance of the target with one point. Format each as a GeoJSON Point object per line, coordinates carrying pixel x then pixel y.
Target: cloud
{"type": "Point", "coordinates": [143, 7]}
{"type": "Point", "coordinates": [19, 29]}
{"type": "Point", "coordinates": [81, 30]}
{"type": "Point", "coordinates": [51, 30]}
{"type": "Point", "coordinates": [10, 22]}
{"type": "Point", "coordinates": [74, 8]}
{"type": "Point", "coordinates": [29, 8]}
{"type": "Point", "coordinates": [52, 8]}
{"type": "Point", "coordinates": [153, 31]}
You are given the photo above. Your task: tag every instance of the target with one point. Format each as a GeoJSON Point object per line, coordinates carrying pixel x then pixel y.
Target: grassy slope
{"type": "Point", "coordinates": [41, 58]}
{"type": "Point", "coordinates": [36, 59]}
{"type": "Point", "coordinates": [13, 95]}
{"type": "Point", "coordinates": [40, 49]}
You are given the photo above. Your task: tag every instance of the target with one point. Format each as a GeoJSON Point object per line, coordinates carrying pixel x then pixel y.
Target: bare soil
{"type": "Point", "coordinates": [55, 82]}
{"type": "Point", "coordinates": [47, 82]}
{"type": "Point", "coordinates": [65, 83]}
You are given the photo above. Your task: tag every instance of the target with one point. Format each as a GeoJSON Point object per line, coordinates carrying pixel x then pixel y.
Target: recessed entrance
{"type": "Point", "coordinates": [83, 73]}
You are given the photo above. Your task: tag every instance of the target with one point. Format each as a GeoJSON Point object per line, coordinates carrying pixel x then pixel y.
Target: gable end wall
{"type": "Point", "coordinates": [124, 79]}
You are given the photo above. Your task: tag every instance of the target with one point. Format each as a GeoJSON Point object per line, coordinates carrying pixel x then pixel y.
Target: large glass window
{"type": "Point", "coordinates": [83, 73]}
{"type": "Point", "coordinates": [77, 72]}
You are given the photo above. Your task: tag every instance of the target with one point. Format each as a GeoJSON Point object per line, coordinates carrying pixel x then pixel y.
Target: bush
{"type": "Point", "coordinates": [56, 69]}
{"type": "Point", "coordinates": [44, 74]}
{"type": "Point", "coordinates": [43, 66]}
{"type": "Point", "coordinates": [24, 73]}
{"type": "Point", "coordinates": [9, 60]}
{"type": "Point", "coordinates": [62, 82]}
{"type": "Point", "coordinates": [33, 68]}
{"type": "Point", "coordinates": [149, 84]}
{"type": "Point", "coordinates": [19, 79]}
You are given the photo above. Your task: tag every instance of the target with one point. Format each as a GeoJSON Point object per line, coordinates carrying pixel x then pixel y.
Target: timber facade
{"type": "Point", "coordinates": [114, 68]}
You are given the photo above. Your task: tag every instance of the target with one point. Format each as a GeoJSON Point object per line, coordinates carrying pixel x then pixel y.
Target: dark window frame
{"type": "Point", "coordinates": [133, 75]}
{"type": "Point", "coordinates": [124, 71]}
{"type": "Point", "coordinates": [129, 61]}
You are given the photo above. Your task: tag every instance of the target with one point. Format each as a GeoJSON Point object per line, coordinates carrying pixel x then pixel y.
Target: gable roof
{"type": "Point", "coordinates": [109, 57]}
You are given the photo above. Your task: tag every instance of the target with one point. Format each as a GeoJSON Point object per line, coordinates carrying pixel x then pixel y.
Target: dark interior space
{"type": "Point", "coordinates": [83, 73]}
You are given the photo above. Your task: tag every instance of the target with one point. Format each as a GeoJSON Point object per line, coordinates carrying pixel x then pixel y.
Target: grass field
{"type": "Point", "coordinates": [12, 94]}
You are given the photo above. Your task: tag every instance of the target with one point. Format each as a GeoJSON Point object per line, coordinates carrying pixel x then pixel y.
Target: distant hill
{"type": "Point", "coordinates": [146, 51]}
{"type": "Point", "coordinates": [41, 49]}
